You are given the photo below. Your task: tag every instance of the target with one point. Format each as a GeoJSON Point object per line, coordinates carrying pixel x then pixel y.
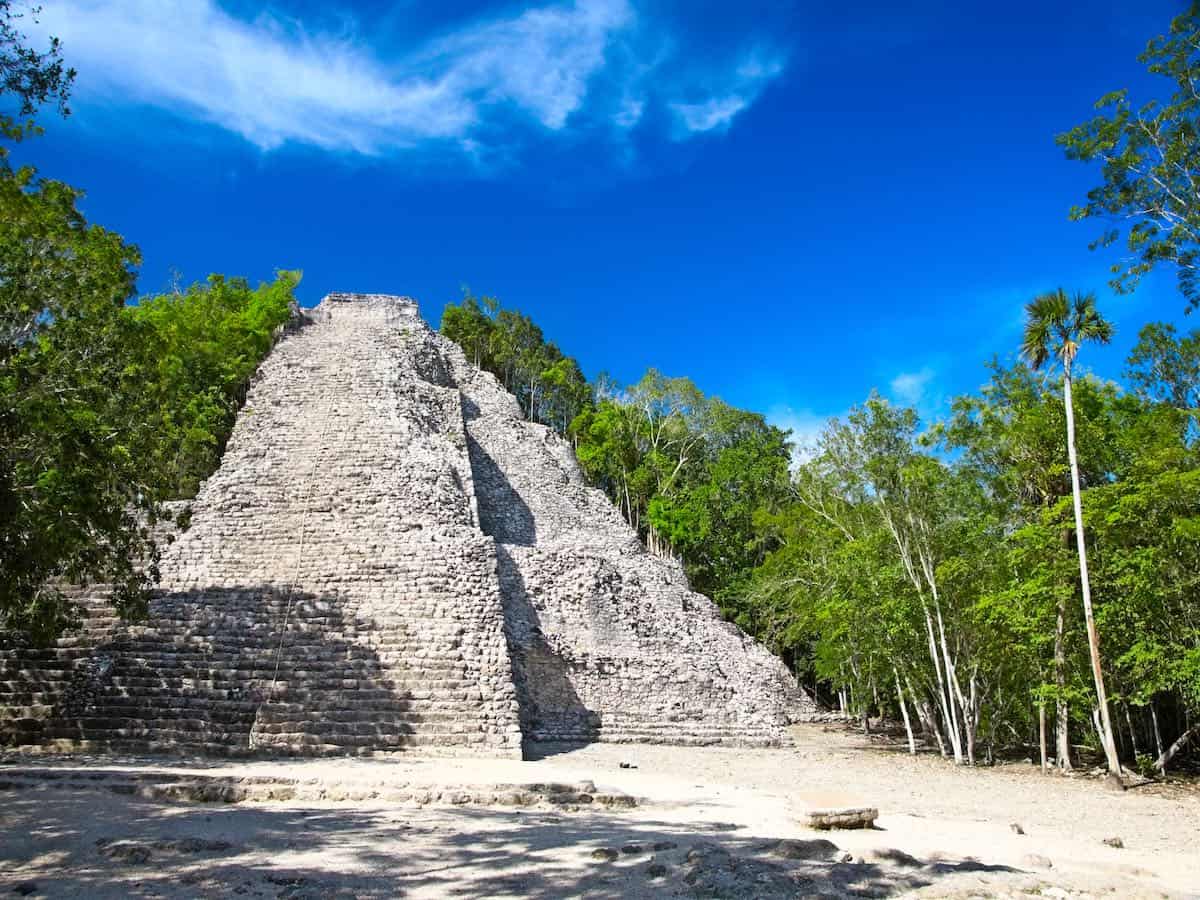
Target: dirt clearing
{"type": "Point", "coordinates": [708, 822]}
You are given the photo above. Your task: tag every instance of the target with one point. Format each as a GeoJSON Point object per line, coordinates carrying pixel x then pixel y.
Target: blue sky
{"type": "Point", "coordinates": [791, 203]}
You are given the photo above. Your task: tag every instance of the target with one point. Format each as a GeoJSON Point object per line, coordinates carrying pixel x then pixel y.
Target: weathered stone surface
{"type": "Point", "coordinates": [195, 787]}
{"type": "Point", "coordinates": [608, 642]}
{"type": "Point", "coordinates": [841, 817]}
{"type": "Point", "coordinates": [390, 558]}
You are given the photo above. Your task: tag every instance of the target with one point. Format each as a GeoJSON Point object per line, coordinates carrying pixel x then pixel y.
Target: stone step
{"type": "Point", "coordinates": [43, 654]}
{"type": "Point", "coordinates": [218, 689]}
{"type": "Point", "coordinates": [146, 715]}
{"type": "Point", "coordinates": [30, 698]}
{"type": "Point", "coordinates": [201, 728]}
{"type": "Point", "coordinates": [184, 733]}
{"type": "Point", "coordinates": [381, 715]}
{"type": "Point", "coordinates": [336, 743]}
{"type": "Point", "coordinates": [32, 711]}
{"type": "Point", "coordinates": [318, 656]}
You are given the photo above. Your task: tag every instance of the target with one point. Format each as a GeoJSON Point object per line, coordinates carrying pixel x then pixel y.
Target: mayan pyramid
{"type": "Point", "coordinates": [390, 557]}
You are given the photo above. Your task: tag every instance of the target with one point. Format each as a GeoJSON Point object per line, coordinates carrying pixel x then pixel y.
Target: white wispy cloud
{"type": "Point", "coordinates": [738, 89]}
{"type": "Point", "coordinates": [806, 427]}
{"type": "Point", "coordinates": [911, 387]}
{"type": "Point", "coordinates": [715, 113]}
{"type": "Point", "coordinates": [275, 81]}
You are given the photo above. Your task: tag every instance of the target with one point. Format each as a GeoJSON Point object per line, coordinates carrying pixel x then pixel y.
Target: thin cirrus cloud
{"type": "Point", "coordinates": [805, 425]}
{"type": "Point", "coordinates": [741, 88]}
{"type": "Point", "coordinates": [557, 68]}
{"type": "Point", "coordinates": [911, 387]}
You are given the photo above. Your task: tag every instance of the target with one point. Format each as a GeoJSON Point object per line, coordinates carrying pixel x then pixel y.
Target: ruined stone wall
{"type": "Point", "coordinates": [608, 642]}
{"type": "Point", "coordinates": [389, 557]}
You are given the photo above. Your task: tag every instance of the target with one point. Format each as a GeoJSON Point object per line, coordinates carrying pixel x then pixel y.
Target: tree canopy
{"type": "Point", "coordinates": [29, 78]}
{"type": "Point", "coordinates": [1149, 159]}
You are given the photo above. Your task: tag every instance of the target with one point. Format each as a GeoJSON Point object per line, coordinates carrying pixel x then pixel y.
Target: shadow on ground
{"type": "Point", "coordinates": [94, 845]}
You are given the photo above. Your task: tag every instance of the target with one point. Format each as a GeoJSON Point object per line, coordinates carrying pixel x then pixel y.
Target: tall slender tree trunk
{"type": "Point", "coordinates": [1110, 749]}
{"type": "Point", "coordinates": [1062, 713]}
{"type": "Point", "coordinates": [912, 743]}
{"type": "Point", "coordinates": [945, 698]}
{"type": "Point", "coordinates": [1133, 741]}
{"type": "Point", "coordinates": [927, 715]}
{"type": "Point", "coordinates": [956, 697]}
{"type": "Point", "coordinates": [1180, 742]}
{"type": "Point", "coordinates": [1158, 744]}
{"type": "Point", "coordinates": [1042, 733]}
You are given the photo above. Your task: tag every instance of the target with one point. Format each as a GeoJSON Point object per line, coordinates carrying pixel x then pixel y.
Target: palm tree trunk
{"type": "Point", "coordinates": [1106, 736]}
{"type": "Point", "coordinates": [1062, 715]}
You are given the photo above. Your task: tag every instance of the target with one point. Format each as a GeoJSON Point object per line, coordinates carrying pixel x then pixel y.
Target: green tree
{"type": "Point", "coordinates": [29, 78]}
{"type": "Point", "coordinates": [1056, 327]}
{"type": "Point", "coordinates": [1146, 528]}
{"type": "Point", "coordinates": [195, 353]}
{"type": "Point", "coordinates": [710, 519]}
{"type": "Point", "coordinates": [549, 386]}
{"type": "Point", "coordinates": [470, 324]}
{"type": "Point", "coordinates": [1150, 164]}
{"type": "Point", "coordinates": [70, 484]}
{"type": "Point", "coordinates": [1165, 368]}
{"type": "Point", "coordinates": [1010, 437]}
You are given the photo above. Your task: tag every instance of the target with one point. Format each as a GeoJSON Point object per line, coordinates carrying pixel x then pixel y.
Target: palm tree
{"type": "Point", "coordinates": [1056, 326]}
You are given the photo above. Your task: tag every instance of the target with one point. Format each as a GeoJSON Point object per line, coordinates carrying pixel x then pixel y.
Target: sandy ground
{"type": "Point", "coordinates": [708, 823]}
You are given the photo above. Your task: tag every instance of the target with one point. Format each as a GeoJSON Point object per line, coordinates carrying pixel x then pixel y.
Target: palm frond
{"type": "Point", "coordinates": [1087, 323]}
{"type": "Point", "coordinates": [1057, 325]}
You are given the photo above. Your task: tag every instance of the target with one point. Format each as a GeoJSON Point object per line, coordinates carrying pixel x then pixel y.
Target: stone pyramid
{"type": "Point", "coordinates": [388, 558]}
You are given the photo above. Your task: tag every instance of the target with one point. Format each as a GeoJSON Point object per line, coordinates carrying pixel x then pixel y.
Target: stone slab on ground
{"type": "Point", "coordinates": [160, 780]}
{"type": "Point", "coordinates": [825, 811]}
{"type": "Point", "coordinates": [831, 817]}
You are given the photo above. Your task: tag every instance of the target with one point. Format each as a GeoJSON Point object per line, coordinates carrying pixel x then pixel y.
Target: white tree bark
{"type": "Point", "coordinates": [912, 743]}
{"type": "Point", "coordinates": [1106, 736]}
{"type": "Point", "coordinates": [1180, 743]}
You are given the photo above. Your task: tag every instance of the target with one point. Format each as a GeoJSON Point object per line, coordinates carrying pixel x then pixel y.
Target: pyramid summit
{"type": "Point", "coordinates": [389, 557]}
